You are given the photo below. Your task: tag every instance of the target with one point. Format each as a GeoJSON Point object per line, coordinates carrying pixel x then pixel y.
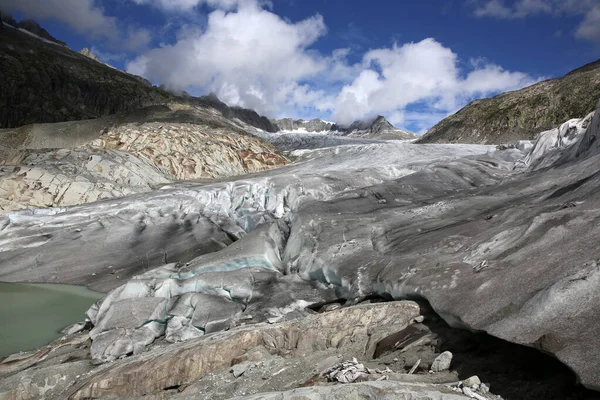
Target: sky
{"type": "Point", "coordinates": [415, 62]}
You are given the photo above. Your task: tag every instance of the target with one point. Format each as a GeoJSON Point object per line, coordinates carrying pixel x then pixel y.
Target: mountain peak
{"type": "Point", "coordinates": [378, 128]}
{"type": "Point", "coordinates": [88, 53]}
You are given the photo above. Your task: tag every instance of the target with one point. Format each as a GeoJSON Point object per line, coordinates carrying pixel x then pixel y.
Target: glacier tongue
{"type": "Point", "coordinates": [509, 251]}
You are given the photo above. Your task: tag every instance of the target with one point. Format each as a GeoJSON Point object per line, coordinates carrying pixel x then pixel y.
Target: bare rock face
{"type": "Point", "coordinates": [355, 329]}
{"type": "Point", "coordinates": [67, 177]}
{"type": "Point", "coordinates": [125, 159]}
{"type": "Point", "coordinates": [189, 152]}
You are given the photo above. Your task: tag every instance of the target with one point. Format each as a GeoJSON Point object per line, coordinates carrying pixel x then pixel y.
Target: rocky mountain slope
{"type": "Point", "coordinates": [524, 113]}
{"type": "Point", "coordinates": [79, 162]}
{"type": "Point", "coordinates": [43, 82]}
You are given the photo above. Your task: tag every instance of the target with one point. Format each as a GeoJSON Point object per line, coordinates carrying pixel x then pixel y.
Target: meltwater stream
{"type": "Point", "coordinates": [32, 315]}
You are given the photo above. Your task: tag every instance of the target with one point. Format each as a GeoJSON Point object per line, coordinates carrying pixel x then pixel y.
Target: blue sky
{"type": "Point", "coordinates": [413, 61]}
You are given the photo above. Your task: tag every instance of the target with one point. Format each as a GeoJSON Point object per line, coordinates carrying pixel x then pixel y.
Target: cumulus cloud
{"type": "Point", "coordinates": [253, 58]}
{"type": "Point", "coordinates": [250, 57]}
{"type": "Point", "coordinates": [588, 29]}
{"type": "Point", "coordinates": [84, 16]}
{"type": "Point", "coordinates": [426, 73]}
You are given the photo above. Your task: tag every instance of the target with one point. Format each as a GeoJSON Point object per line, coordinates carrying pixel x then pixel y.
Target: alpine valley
{"type": "Point", "coordinates": [240, 257]}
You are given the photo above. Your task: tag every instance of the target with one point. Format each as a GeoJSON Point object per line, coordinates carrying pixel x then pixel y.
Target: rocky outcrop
{"type": "Point", "coordinates": [49, 178]}
{"type": "Point", "coordinates": [88, 53]}
{"type": "Point", "coordinates": [191, 151]}
{"type": "Point", "coordinates": [377, 349]}
{"type": "Point", "coordinates": [522, 114]}
{"type": "Point", "coordinates": [111, 158]}
{"type": "Point", "coordinates": [370, 390]}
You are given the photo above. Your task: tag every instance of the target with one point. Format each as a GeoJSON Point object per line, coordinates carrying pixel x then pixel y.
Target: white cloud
{"type": "Point", "coordinates": [84, 17]}
{"type": "Point", "coordinates": [589, 28]}
{"type": "Point", "coordinates": [250, 57]}
{"type": "Point", "coordinates": [253, 58]}
{"type": "Point", "coordinates": [423, 73]}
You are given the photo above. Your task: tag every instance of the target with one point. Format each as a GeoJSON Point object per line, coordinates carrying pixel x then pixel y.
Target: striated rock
{"type": "Point", "coordinates": [67, 177]}
{"type": "Point", "coordinates": [522, 114]}
{"type": "Point", "coordinates": [189, 152]}
{"type": "Point", "coordinates": [126, 158]}
{"type": "Point", "coordinates": [342, 330]}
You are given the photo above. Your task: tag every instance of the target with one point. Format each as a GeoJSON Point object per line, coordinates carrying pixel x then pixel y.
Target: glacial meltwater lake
{"type": "Point", "coordinates": [31, 315]}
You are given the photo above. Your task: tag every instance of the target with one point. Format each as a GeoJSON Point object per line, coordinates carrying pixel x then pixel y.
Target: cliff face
{"type": "Point", "coordinates": [524, 113]}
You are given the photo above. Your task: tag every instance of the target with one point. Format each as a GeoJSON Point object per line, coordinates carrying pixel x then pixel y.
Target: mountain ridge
{"type": "Point", "coordinates": [368, 128]}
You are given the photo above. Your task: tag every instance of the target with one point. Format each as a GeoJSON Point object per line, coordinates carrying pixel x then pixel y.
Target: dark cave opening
{"type": "Point", "coordinates": [513, 371]}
